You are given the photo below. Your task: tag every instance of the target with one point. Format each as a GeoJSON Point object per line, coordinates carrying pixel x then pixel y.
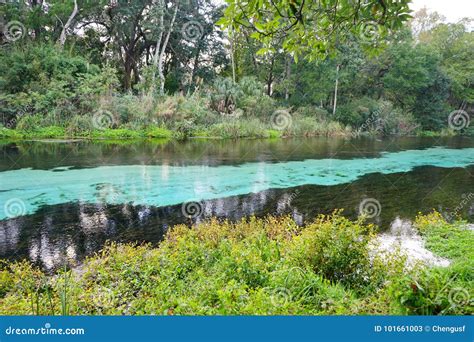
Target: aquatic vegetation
{"type": "Point", "coordinates": [255, 266]}
{"type": "Point", "coordinates": [131, 185]}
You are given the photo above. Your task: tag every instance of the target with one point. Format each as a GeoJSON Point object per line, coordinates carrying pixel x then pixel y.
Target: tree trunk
{"type": "Point", "coordinates": [62, 37]}
{"type": "Point", "coordinates": [196, 63]}
{"type": "Point", "coordinates": [270, 78]}
{"type": "Point", "coordinates": [37, 30]}
{"type": "Point", "coordinates": [159, 57]}
{"type": "Point", "coordinates": [287, 76]}
{"type": "Point", "coordinates": [128, 67]}
{"type": "Point", "coordinates": [335, 91]}
{"type": "Point", "coordinates": [232, 58]}
{"type": "Point", "coordinates": [158, 47]}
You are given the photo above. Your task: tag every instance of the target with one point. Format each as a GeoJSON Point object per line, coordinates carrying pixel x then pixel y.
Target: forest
{"type": "Point", "coordinates": [237, 157]}
{"type": "Point", "coordinates": [200, 68]}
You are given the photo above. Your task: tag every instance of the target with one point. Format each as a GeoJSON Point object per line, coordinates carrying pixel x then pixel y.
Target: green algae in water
{"type": "Point", "coordinates": [25, 190]}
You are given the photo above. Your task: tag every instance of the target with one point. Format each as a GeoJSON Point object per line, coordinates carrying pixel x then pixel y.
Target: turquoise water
{"type": "Point", "coordinates": [24, 191]}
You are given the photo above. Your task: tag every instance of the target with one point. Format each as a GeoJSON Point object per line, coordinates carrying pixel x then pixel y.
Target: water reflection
{"type": "Point", "coordinates": [83, 154]}
{"type": "Point", "coordinates": [66, 233]}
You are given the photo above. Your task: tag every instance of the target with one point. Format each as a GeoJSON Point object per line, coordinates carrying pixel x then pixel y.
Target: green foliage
{"type": "Point", "coordinates": [49, 132]}
{"type": "Point", "coordinates": [410, 86]}
{"type": "Point", "coordinates": [159, 132]}
{"type": "Point", "coordinates": [30, 123]}
{"type": "Point", "coordinates": [344, 259]}
{"type": "Point", "coordinates": [308, 126]}
{"type": "Point", "coordinates": [454, 43]}
{"type": "Point", "coordinates": [291, 20]}
{"type": "Point", "coordinates": [121, 133]}
{"type": "Point", "coordinates": [223, 95]}
{"type": "Point", "coordinates": [43, 79]}
{"type": "Point", "coordinates": [233, 128]}
{"type": "Point", "coordinates": [318, 113]}
{"type": "Point", "coordinates": [80, 125]}
{"type": "Point", "coordinates": [265, 266]}
{"type": "Point", "coordinates": [6, 133]}
{"type": "Point", "coordinates": [453, 241]}
{"type": "Point", "coordinates": [271, 133]}
{"type": "Point", "coordinates": [357, 112]}
{"type": "Point", "coordinates": [435, 291]}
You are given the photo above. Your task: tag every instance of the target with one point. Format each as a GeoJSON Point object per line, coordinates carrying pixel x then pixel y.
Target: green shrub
{"type": "Point", "coordinates": [271, 133]}
{"type": "Point", "coordinates": [44, 78]}
{"type": "Point", "coordinates": [308, 126]}
{"type": "Point", "coordinates": [49, 132]}
{"type": "Point", "coordinates": [159, 132]}
{"type": "Point", "coordinates": [257, 106]}
{"type": "Point", "coordinates": [6, 133]}
{"type": "Point", "coordinates": [254, 266]}
{"type": "Point", "coordinates": [315, 112]}
{"type": "Point", "coordinates": [357, 112]}
{"type": "Point", "coordinates": [80, 125]}
{"type": "Point", "coordinates": [343, 259]}
{"type": "Point", "coordinates": [223, 95]}
{"type": "Point", "coordinates": [120, 133]}
{"type": "Point", "coordinates": [29, 123]}
{"type": "Point", "coordinates": [436, 291]}
{"type": "Point", "coordinates": [239, 128]}
{"type": "Point", "coordinates": [450, 240]}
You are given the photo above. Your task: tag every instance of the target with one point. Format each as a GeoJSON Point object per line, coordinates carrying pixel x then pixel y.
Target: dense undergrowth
{"type": "Point", "coordinates": [256, 266]}
{"type": "Point", "coordinates": [51, 93]}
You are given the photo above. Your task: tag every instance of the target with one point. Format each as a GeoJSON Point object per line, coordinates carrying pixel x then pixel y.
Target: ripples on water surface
{"type": "Point", "coordinates": [74, 196]}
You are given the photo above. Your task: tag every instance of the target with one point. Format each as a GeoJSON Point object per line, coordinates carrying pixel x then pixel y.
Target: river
{"type": "Point", "coordinates": [61, 201]}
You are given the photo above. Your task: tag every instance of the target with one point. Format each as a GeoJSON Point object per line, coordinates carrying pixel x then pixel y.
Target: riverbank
{"type": "Point", "coordinates": [257, 266]}
{"type": "Point", "coordinates": [217, 132]}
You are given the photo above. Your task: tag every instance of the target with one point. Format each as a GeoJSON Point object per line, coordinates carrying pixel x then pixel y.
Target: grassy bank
{"type": "Point", "coordinates": [218, 131]}
{"type": "Point", "coordinates": [268, 266]}
{"type": "Point", "coordinates": [154, 133]}
{"type": "Point", "coordinates": [224, 130]}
